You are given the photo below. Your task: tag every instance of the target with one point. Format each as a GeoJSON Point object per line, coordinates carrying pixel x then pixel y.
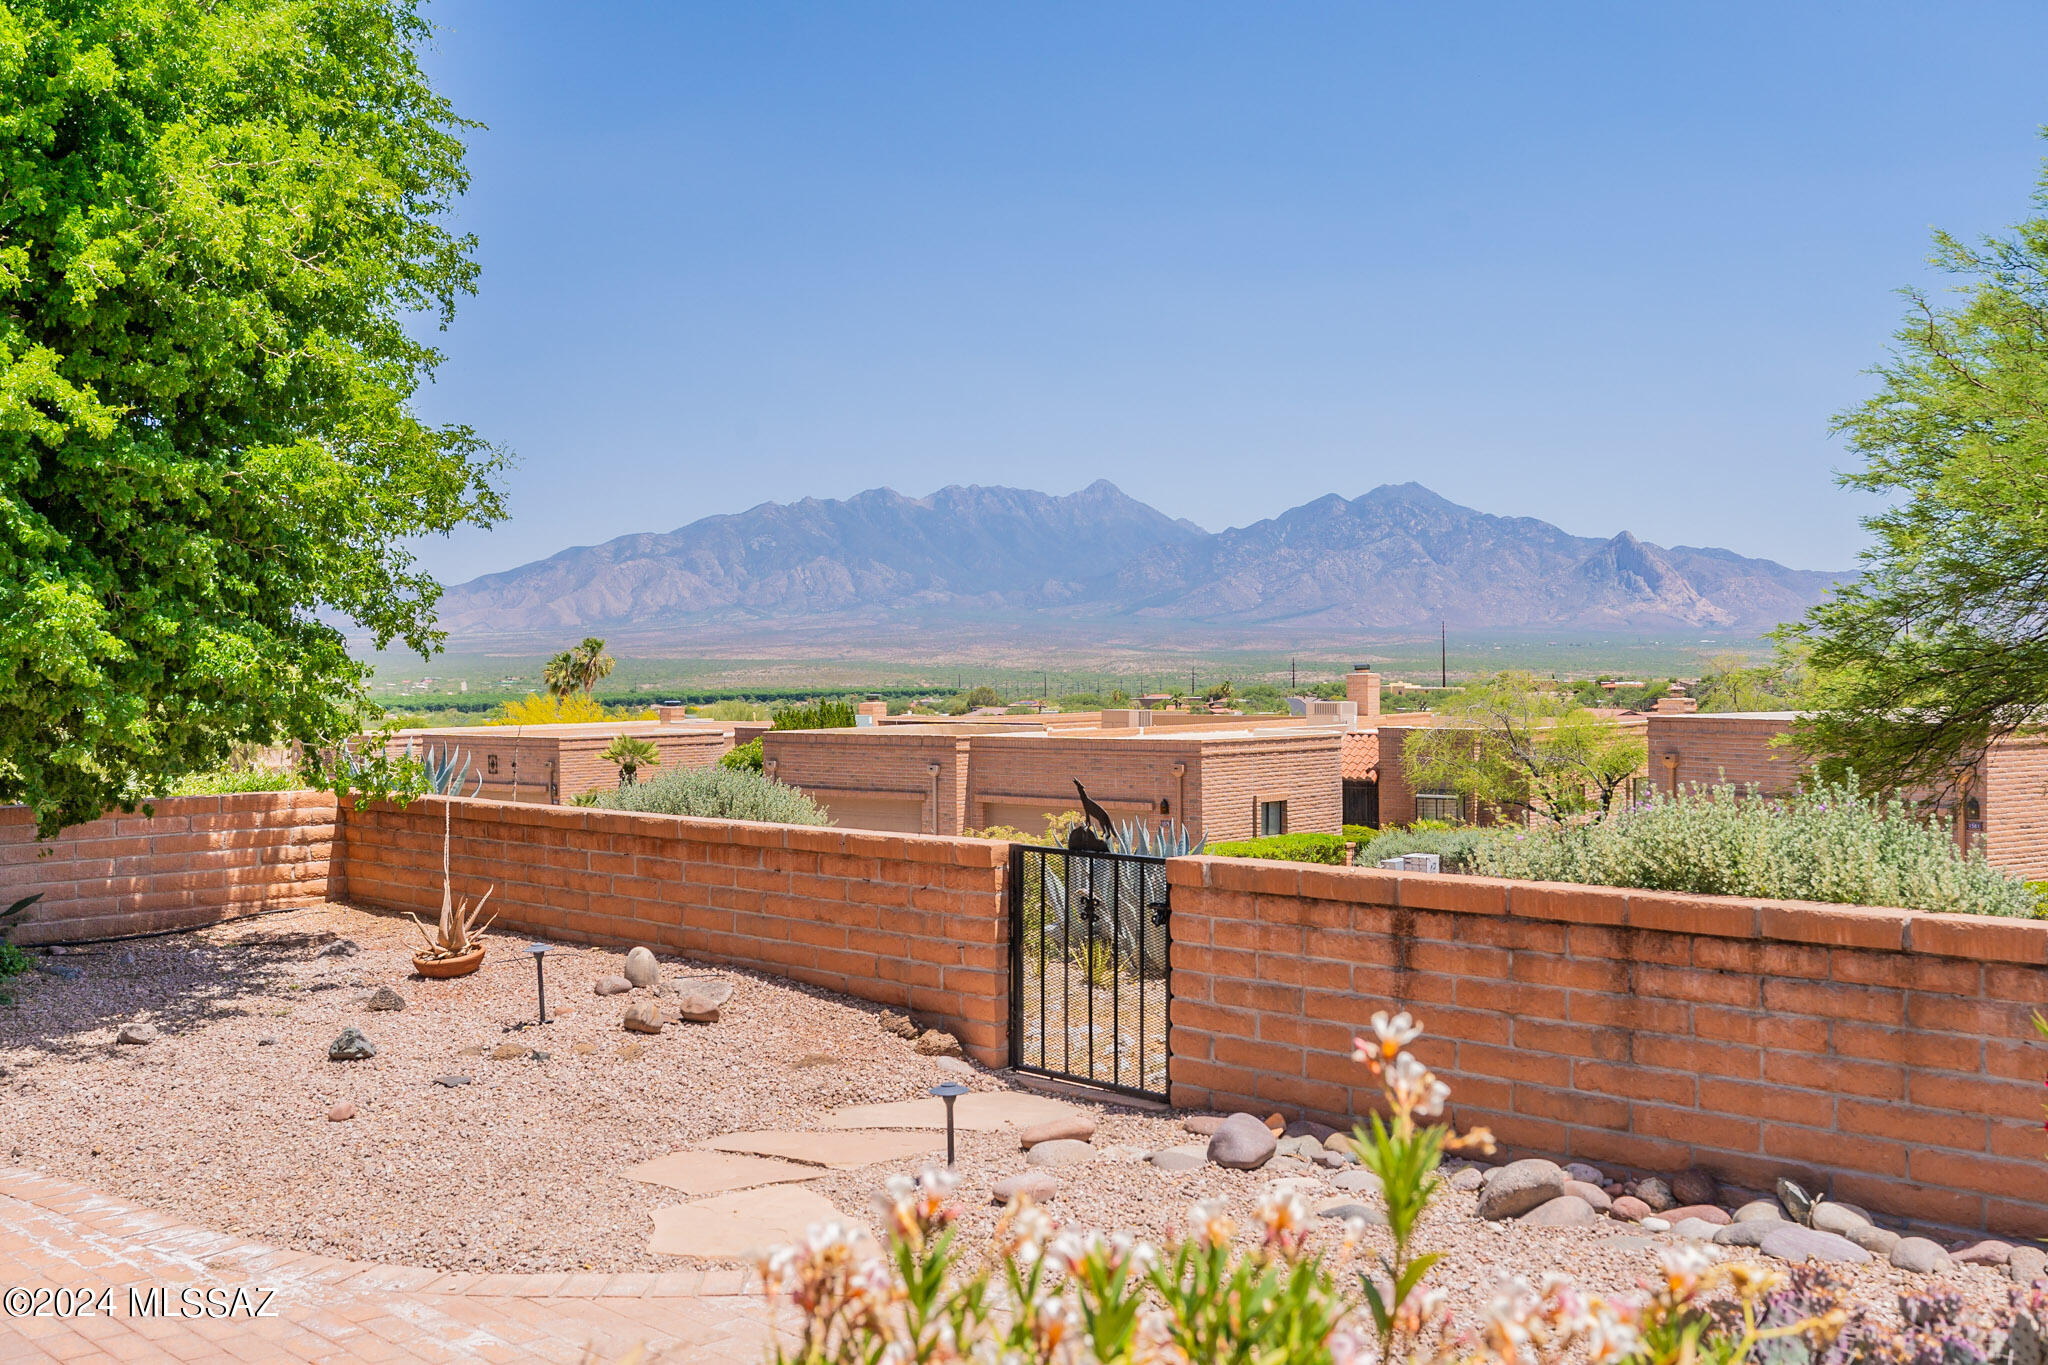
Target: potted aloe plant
{"type": "Point", "coordinates": [456, 946]}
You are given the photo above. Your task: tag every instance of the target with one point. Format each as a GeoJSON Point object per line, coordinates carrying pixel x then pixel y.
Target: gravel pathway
{"type": "Point", "coordinates": [519, 1170]}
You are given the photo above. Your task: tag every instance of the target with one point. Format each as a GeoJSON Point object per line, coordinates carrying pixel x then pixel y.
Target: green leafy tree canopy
{"type": "Point", "coordinates": [217, 223]}
{"type": "Point", "coordinates": [1939, 648]}
{"type": "Point", "coordinates": [1516, 745]}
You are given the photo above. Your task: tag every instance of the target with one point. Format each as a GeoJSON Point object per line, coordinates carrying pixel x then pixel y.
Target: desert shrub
{"type": "Point", "coordinates": [1288, 848]}
{"type": "Point", "coordinates": [1456, 845]}
{"type": "Point", "coordinates": [816, 715]}
{"type": "Point", "coordinates": [717, 794]}
{"type": "Point", "coordinates": [222, 781]}
{"type": "Point", "coordinates": [536, 708]}
{"type": "Point", "coordinates": [1057, 827]}
{"type": "Point", "coordinates": [744, 757]}
{"type": "Point", "coordinates": [1831, 843]}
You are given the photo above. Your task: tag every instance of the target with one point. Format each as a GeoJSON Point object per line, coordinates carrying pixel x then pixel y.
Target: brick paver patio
{"type": "Point", "coordinates": [58, 1235]}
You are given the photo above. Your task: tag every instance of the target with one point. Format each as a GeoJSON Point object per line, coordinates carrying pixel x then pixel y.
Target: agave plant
{"type": "Point", "coordinates": [443, 777]}
{"type": "Point", "coordinates": [458, 932]}
{"type": "Point", "coordinates": [1169, 839]}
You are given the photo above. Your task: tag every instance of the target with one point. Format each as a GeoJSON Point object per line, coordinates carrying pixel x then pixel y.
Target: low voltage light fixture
{"type": "Point", "coordinates": [540, 975]}
{"type": "Point", "coordinates": [949, 1091]}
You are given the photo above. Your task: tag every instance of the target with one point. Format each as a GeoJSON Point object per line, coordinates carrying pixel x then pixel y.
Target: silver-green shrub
{"type": "Point", "coordinates": [1830, 843]}
{"type": "Point", "coordinates": [717, 794]}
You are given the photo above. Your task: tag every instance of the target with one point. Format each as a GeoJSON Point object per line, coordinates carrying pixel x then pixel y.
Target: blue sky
{"type": "Point", "coordinates": [1610, 265]}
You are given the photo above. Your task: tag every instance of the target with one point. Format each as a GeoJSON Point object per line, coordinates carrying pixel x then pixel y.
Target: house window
{"type": "Point", "coordinates": [1446, 806]}
{"type": "Point", "coordinates": [1272, 817]}
{"type": "Point", "coordinates": [491, 764]}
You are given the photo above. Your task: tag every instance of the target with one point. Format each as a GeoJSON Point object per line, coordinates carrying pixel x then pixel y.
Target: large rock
{"type": "Point", "coordinates": [1696, 1229]}
{"type": "Point", "coordinates": [1760, 1211]}
{"type": "Point", "coordinates": [1629, 1209]}
{"type": "Point", "coordinates": [1061, 1152]}
{"type": "Point", "coordinates": [1565, 1211]}
{"type": "Point", "coordinates": [1840, 1219]}
{"type": "Point", "coordinates": [1288, 1165]}
{"type": "Point", "coordinates": [1706, 1212]}
{"type": "Point", "coordinates": [1345, 1212]}
{"type": "Point", "coordinates": [1749, 1234]}
{"type": "Point", "coordinates": [1798, 1203]}
{"type": "Point", "coordinates": [384, 998]}
{"type": "Point", "coordinates": [1584, 1174]}
{"type": "Point", "coordinates": [612, 985]}
{"type": "Point", "coordinates": [1521, 1186]}
{"type": "Point", "coordinates": [937, 1043]}
{"type": "Point", "coordinates": [1080, 1127]}
{"type": "Point", "coordinates": [699, 998]}
{"type": "Point", "coordinates": [136, 1035]}
{"type": "Point", "coordinates": [1873, 1239]}
{"type": "Point", "coordinates": [1791, 1242]}
{"type": "Point", "coordinates": [1984, 1253]}
{"type": "Point", "coordinates": [341, 1113]}
{"type": "Point", "coordinates": [1203, 1125]}
{"type": "Point", "coordinates": [1306, 1147]}
{"type": "Point", "coordinates": [1694, 1187]}
{"type": "Point", "coordinates": [2026, 1264]}
{"type": "Point", "coordinates": [1358, 1181]}
{"type": "Point", "coordinates": [902, 1025]}
{"type": "Point", "coordinates": [1592, 1194]}
{"type": "Point", "coordinates": [1038, 1185]}
{"type": "Point", "coordinates": [642, 969]}
{"type": "Point", "coordinates": [350, 1046]}
{"type": "Point", "coordinates": [1467, 1178]}
{"type": "Point", "coordinates": [1242, 1143]}
{"type": "Point", "coordinates": [1919, 1255]}
{"type": "Point", "coordinates": [642, 1016]}
{"type": "Point", "coordinates": [1654, 1192]}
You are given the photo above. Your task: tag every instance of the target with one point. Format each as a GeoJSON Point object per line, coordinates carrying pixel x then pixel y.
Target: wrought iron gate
{"type": "Point", "coordinates": [1088, 967]}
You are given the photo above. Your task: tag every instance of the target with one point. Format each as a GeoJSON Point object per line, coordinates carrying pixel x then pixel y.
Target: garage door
{"type": "Point", "coordinates": [1029, 818]}
{"type": "Point", "coordinates": [897, 814]}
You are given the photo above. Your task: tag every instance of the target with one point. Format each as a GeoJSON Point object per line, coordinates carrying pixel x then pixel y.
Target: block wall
{"type": "Point", "coordinates": [1705, 750]}
{"type": "Point", "coordinates": [1881, 1056]}
{"type": "Point", "coordinates": [902, 920]}
{"type": "Point", "coordinates": [2014, 779]}
{"type": "Point", "coordinates": [197, 860]}
{"type": "Point", "coordinates": [866, 763]}
{"type": "Point", "coordinates": [1307, 772]}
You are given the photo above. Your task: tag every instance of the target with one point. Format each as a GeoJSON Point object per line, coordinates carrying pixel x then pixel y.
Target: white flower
{"type": "Point", "coordinates": [1683, 1266]}
{"type": "Point", "coordinates": [1389, 1037]}
{"type": "Point", "coordinates": [1284, 1213]}
{"type": "Point", "coordinates": [1413, 1089]}
{"type": "Point", "coordinates": [1209, 1224]}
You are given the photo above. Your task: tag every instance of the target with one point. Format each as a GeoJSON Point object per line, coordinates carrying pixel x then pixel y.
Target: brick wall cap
{"type": "Point", "coordinates": [1674, 912]}
{"type": "Point", "coordinates": [1569, 902]}
{"type": "Point", "coordinates": [1451, 892]}
{"type": "Point", "coordinates": [1834, 926]}
{"type": "Point", "coordinates": [1984, 938]}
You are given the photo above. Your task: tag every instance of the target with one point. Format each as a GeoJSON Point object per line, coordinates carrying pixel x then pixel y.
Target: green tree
{"type": "Point", "coordinates": [218, 223]}
{"type": "Point", "coordinates": [558, 675]}
{"type": "Point", "coordinates": [589, 665]}
{"type": "Point", "coordinates": [1939, 648]}
{"type": "Point", "coordinates": [631, 753]}
{"type": "Point", "coordinates": [1512, 743]}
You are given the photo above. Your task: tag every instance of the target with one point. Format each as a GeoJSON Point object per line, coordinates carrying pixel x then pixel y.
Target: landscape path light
{"type": "Point", "coordinates": [540, 975]}
{"type": "Point", "coordinates": [949, 1091]}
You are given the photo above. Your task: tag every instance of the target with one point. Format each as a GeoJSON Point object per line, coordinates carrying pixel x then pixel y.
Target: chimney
{"type": "Point", "coordinates": [874, 710]}
{"type": "Point", "coordinates": [1362, 685]}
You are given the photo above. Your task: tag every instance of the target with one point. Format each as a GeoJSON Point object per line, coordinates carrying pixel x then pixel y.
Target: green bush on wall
{"type": "Point", "coordinates": [717, 794]}
{"type": "Point", "coordinates": [1288, 848]}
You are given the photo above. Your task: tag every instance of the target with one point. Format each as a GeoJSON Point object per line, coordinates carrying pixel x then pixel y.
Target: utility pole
{"type": "Point", "coordinates": [1292, 685]}
{"type": "Point", "coordinates": [1443, 658]}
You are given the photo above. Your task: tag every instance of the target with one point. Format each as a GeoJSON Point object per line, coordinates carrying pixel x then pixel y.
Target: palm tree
{"type": "Point", "coordinates": [631, 753]}
{"type": "Point", "coordinates": [559, 676]}
{"type": "Point", "coordinates": [590, 665]}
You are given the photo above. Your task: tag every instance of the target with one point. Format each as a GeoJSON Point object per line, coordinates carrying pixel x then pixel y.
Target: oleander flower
{"type": "Point", "coordinates": [1413, 1089]}
{"type": "Point", "coordinates": [1023, 1229]}
{"type": "Point", "coordinates": [1284, 1215]}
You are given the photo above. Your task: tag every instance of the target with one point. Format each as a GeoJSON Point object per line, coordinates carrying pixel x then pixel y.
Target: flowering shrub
{"type": "Point", "coordinates": [1831, 843]}
{"type": "Point", "coordinates": [1043, 1296]}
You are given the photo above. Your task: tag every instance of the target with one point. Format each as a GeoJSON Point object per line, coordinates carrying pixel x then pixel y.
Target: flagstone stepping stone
{"type": "Point", "coordinates": [1180, 1158]}
{"type": "Point", "coordinates": [976, 1112]}
{"type": "Point", "coordinates": [717, 1172]}
{"type": "Point", "coordinates": [1040, 1185]}
{"type": "Point", "coordinates": [730, 1227]}
{"type": "Point", "coordinates": [1060, 1152]}
{"type": "Point", "coordinates": [839, 1150]}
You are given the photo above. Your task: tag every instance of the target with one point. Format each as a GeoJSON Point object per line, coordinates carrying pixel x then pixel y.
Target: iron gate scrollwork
{"type": "Point", "coordinates": [1088, 967]}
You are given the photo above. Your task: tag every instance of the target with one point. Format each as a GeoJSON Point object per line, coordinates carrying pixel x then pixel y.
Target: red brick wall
{"type": "Point", "coordinates": [2015, 806]}
{"type": "Point", "coordinates": [1881, 1056]}
{"type": "Point", "coordinates": [860, 764]}
{"type": "Point", "coordinates": [900, 920]}
{"type": "Point", "coordinates": [197, 861]}
{"type": "Point", "coordinates": [1305, 771]}
{"type": "Point", "coordinates": [1705, 750]}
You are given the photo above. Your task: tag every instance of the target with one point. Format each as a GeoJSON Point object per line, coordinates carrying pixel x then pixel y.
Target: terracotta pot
{"type": "Point", "coordinates": [441, 968]}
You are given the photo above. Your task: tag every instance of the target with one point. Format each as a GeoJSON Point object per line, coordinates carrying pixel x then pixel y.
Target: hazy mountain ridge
{"type": "Point", "coordinates": [1398, 557]}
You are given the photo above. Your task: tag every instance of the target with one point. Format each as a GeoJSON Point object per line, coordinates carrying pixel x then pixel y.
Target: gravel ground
{"type": "Point", "coordinates": [518, 1171]}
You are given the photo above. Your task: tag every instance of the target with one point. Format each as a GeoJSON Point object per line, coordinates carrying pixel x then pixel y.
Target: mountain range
{"type": "Point", "coordinates": [1397, 558]}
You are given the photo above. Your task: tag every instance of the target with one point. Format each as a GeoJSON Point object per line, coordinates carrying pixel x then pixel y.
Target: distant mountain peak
{"type": "Point", "coordinates": [1398, 556]}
